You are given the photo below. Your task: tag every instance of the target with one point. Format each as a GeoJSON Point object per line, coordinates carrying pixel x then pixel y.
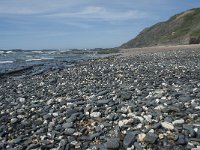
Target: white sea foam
{"type": "Point", "coordinates": [37, 51]}
{"type": "Point", "coordinates": [46, 58]}
{"type": "Point", "coordinates": [6, 62]}
{"type": "Point", "coordinates": [33, 59]}
{"type": "Point", "coordinates": [8, 52]}
{"type": "Point", "coordinates": [52, 52]}
{"type": "Point", "coordinates": [28, 56]}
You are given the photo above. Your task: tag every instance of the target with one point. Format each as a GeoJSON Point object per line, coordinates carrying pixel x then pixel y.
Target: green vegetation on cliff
{"type": "Point", "coordinates": [183, 28]}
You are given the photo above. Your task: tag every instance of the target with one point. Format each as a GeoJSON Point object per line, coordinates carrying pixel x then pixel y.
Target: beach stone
{"type": "Point", "coordinates": [167, 125]}
{"type": "Point", "coordinates": [180, 121]}
{"type": "Point", "coordinates": [55, 114]}
{"type": "Point", "coordinates": [110, 117]}
{"type": "Point", "coordinates": [94, 135]}
{"type": "Point", "coordinates": [190, 146]}
{"type": "Point", "coordinates": [181, 140]}
{"type": "Point", "coordinates": [196, 148]}
{"type": "Point", "coordinates": [22, 100]}
{"type": "Point", "coordinates": [173, 108]}
{"type": "Point", "coordinates": [13, 120]}
{"type": "Point", "coordinates": [49, 102]}
{"type": "Point", "coordinates": [47, 116]}
{"type": "Point", "coordinates": [121, 123]}
{"type": "Point", "coordinates": [124, 110]}
{"type": "Point", "coordinates": [33, 146]}
{"type": "Point", "coordinates": [69, 131]}
{"type": "Point", "coordinates": [193, 116]}
{"type": "Point", "coordinates": [150, 138]}
{"type": "Point", "coordinates": [148, 118]}
{"type": "Point", "coordinates": [141, 137]}
{"type": "Point", "coordinates": [67, 125]}
{"type": "Point", "coordinates": [198, 134]}
{"type": "Point", "coordinates": [102, 93]}
{"type": "Point", "coordinates": [62, 144]}
{"type": "Point", "coordinates": [102, 102]}
{"type": "Point", "coordinates": [95, 114]}
{"type": "Point", "coordinates": [17, 140]}
{"type": "Point", "coordinates": [168, 119]}
{"type": "Point", "coordinates": [112, 143]}
{"type": "Point", "coordinates": [157, 125]}
{"type": "Point", "coordinates": [129, 139]}
{"type": "Point", "coordinates": [161, 136]}
{"type": "Point", "coordinates": [80, 103]}
{"type": "Point", "coordinates": [107, 124]}
{"type": "Point", "coordinates": [190, 129]}
{"type": "Point", "coordinates": [159, 107]}
{"type": "Point", "coordinates": [126, 95]}
{"type": "Point", "coordinates": [75, 143]}
{"type": "Point", "coordinates": [72, 111]}
{"type": "Point", "coordinates": [137, 146]}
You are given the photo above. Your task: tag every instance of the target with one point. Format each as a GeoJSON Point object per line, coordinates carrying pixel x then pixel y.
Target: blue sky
{"type": "Point", "coordinates": [46, 24]}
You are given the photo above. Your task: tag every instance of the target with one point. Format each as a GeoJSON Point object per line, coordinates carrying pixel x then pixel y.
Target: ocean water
{"type": "Point", "coordinates": [15, 59]}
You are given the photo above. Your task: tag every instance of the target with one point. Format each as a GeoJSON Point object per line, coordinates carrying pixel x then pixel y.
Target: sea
{"type": "Point", "coordinates": [41, 60]}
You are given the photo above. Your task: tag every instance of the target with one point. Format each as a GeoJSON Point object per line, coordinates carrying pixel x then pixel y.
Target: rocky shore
{"type": "Point", "coordinates": [147, 101]}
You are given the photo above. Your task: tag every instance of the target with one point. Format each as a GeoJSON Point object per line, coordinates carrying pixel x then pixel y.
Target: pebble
{"type": "Point", "coordinates": [138, 146]}
{"type": "Point", "coordinates": [160, 107]}
{"type": "Point", "coordinates": [22, 100]}
{"type": "Point", "coordinates": [150, 138]}
{"type": "Point", "coordinates": [180, 121]}
{"type": "Point", "coordinates": [67, 125]}
{"type": "Point", "coordinates": [55, 114]}
{"type": "Point", "coordinates": [124, 122]}
{"type": "Point", "coordinates": [16, 141]}
{"type": "Point", "coordinates": [69, 131]}
{"type": "Point", "coordinates": [126, 95]}
{"type": "Point", "coordinates": [102, 102]}
{"type": "Point", "coordinates": [181, 140]}
{"type": "Point", "coordinates": [95, 114]}
{"type": "Point", "coordinates": [129, 139]}
{"type": "Point", "coordinates": [167, 125]}
{"type": "Point", "coordinates": [141, 137]}
{"type": "Point", "coordinates": [195, 148]}
{"type": "Point", "coordinates": [161, 136]}
{"type": "Point", "coordinates": [112, 143]}
{"type": "Point", "coordinates": [13, 120]}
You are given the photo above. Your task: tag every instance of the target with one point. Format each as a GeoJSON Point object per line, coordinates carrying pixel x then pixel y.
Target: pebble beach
{"type": "Point", "coordinates": [139, 100]}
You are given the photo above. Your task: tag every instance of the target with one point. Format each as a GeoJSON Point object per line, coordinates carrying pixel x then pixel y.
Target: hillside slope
{"type": "Point", "coordinates": [183, 28]}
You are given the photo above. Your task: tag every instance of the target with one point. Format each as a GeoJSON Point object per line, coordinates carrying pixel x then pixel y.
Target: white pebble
{"type": "Point", "coordinates": [167, 125]}
{"type": "Point", "coordinates": [180, 121]}
{"type": "Point", "coordinates": [95, 114]}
